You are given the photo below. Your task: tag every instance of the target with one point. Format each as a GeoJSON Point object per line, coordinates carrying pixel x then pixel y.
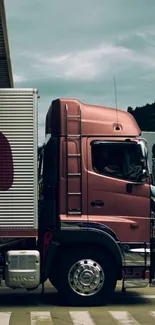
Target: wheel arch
{"type": "Point", "coordinates": [71, 239]}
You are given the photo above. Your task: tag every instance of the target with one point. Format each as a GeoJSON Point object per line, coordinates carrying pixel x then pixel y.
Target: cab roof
{"type": "Point", "coordinates": [95, 120]}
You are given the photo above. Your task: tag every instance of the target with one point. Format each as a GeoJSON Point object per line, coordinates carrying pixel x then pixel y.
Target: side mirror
{"type": "Point", "coordinates": [142, 178]}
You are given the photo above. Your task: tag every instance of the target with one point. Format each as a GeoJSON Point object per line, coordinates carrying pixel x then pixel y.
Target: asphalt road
{"type": "Point", "coordinates": [136, 307]}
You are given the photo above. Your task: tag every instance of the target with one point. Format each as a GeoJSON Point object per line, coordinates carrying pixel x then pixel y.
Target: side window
{"type": "Point", "coordinates": [119, 160]}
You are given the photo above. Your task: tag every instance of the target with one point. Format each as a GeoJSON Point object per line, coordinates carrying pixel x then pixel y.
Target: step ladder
{"type": "Point", "coordinates": [78, 138]}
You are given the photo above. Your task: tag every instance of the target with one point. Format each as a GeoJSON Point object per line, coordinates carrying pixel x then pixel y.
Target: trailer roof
{"type": "Point", "coordinates": [6, 77]}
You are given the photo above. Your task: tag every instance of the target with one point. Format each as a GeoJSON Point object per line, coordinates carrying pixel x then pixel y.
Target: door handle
{"type": "Point", "coordinates": [97, 203]}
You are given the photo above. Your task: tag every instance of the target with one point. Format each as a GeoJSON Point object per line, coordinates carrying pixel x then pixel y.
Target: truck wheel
{"type": "Point", "coordinates": [86, 277]}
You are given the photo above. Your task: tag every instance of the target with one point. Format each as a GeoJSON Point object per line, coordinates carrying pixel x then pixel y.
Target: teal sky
{"type": "Point", "coordinates": [69, 48]}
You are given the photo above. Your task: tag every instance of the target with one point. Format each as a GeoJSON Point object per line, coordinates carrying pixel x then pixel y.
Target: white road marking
{"type": "Point", "coordinates": [78, 318]}
{"type": "Point", "coordinates": [152, 313]}
{"type": "Point", "coordinates": [5, 318]}
{"type": "Point", "coordinates": [40, 318]}
{"type": "Point", "coordinates": [81, 318]}
{"type": "Point", "coordinates": [123, 318]}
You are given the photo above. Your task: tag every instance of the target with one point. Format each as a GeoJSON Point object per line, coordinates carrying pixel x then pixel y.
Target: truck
{"type": "Point", "coordinates": [82, 217]}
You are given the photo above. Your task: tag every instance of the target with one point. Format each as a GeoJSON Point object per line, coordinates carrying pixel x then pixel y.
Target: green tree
{"type": "Point", "coordinates": [145, 116]}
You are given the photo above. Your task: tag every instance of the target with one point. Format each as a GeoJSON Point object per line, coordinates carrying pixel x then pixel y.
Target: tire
{"type": "Point", "coordinates": [86, 266]}
{"type": "Point", "coordinates": [54, 281]}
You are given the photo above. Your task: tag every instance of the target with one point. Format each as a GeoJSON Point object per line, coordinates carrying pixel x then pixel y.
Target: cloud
{"type": "Point", "coordinates": [18, 79]}
{"type": "Point", "coordinates": [103, 60]}
{"type": "Point", "coordinates": [73, 49]}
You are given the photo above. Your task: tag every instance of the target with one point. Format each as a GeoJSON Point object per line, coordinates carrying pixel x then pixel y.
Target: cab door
{"type": "Point", "coordinates": [111, 199]}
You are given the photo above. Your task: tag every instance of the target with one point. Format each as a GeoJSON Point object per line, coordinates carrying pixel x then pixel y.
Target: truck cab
{"type": "Point", "coordinates": [97, 169]}
{"type": "Point", "coordinates": [103, 171]}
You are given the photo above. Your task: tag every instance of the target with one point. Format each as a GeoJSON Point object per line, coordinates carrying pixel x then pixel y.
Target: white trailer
{"type": "Point", "coordinates": [18, 125]}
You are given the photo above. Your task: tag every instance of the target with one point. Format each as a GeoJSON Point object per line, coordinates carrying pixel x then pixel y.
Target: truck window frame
{"type": "Point", "coordinates": [121, 145]}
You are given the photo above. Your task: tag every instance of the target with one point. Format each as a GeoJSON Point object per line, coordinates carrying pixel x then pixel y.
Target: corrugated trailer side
{"type": "Point", "coordinates": [18, 124]}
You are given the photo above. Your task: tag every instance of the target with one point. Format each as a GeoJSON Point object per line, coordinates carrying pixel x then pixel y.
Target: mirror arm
{"type": "Point", "coordinates": [129, 186]}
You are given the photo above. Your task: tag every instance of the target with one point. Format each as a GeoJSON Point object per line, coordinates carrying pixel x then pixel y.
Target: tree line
{"type": "Point", "coordinates": [145, 116]}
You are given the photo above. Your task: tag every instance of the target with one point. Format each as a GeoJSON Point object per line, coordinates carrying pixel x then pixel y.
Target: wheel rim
{"type": "Point", "coordinates": [86, 277]}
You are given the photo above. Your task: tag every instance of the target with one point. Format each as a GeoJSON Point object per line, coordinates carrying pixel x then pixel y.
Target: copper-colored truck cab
{"type": "Point", "coordinates": [103, 175]}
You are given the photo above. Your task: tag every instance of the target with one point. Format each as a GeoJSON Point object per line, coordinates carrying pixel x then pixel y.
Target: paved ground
{"type": "Point", "coordinates": [136, 307]}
